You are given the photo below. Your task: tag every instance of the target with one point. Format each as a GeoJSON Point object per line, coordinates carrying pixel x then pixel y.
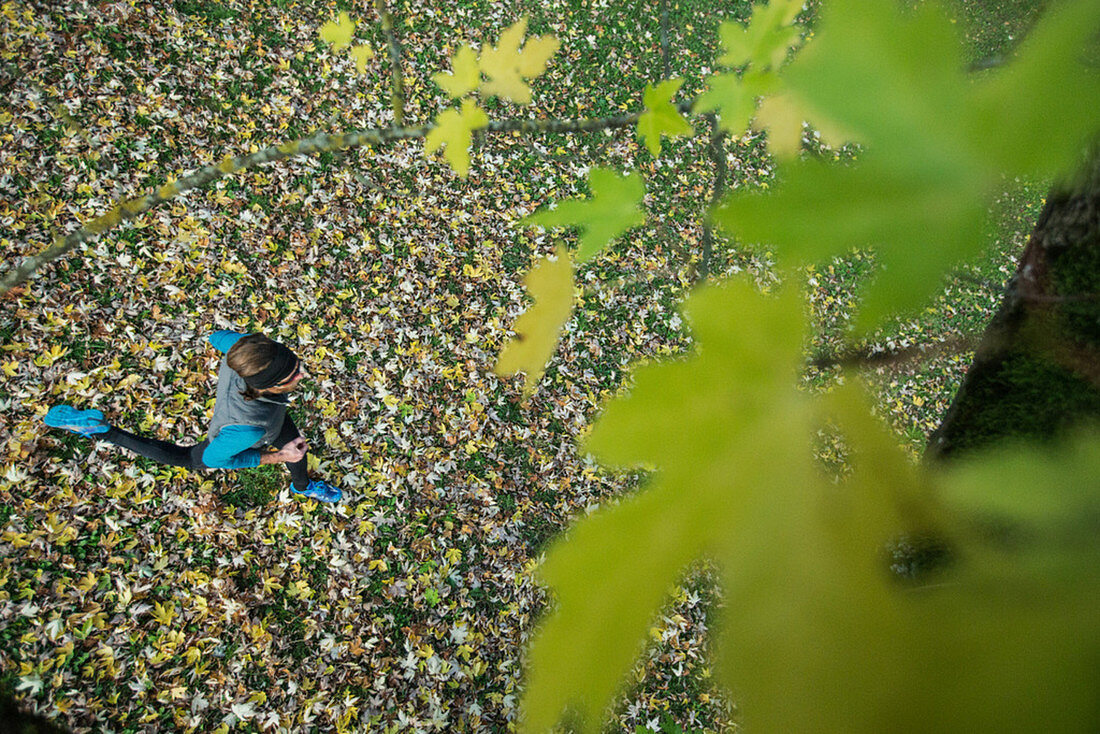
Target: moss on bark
{"type": "Point", "coordinates": [1037, 371]}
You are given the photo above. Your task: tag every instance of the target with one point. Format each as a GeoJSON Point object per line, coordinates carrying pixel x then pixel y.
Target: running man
{"type": "Point", "coordinates": [255, 377]}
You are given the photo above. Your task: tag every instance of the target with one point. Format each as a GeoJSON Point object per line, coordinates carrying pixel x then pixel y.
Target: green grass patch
{"type": "Point", "coordinates": [257, 487]}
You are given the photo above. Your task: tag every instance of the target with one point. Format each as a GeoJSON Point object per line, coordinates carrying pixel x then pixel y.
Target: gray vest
{"type": "Point", "coordinates": [231, 409]}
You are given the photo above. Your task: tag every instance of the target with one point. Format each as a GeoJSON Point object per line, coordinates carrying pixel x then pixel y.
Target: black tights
{"type": "Point", "coordinates": [190, 457]}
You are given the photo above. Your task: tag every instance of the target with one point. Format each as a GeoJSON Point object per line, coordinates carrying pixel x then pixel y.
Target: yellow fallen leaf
{"type": "Point", "coordinates": [506, 66]}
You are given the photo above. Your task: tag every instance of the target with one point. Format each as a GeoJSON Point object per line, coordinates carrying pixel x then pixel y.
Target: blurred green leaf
{"type": "Point", "coordinates": [921, 221]}
{"type": "Point", "coordinates": [507, 66]}
{"type": "Point", "coordinates": [661, 116]}
{"type": "Point", "coordinates": [767, 38]}
{"type": "Point", "coordinates": [938, 144]}
{"type": "Point", "coordinates": [464, 76]}
{"type": "Point", "coordinates": [338, 32]}
{"type": "Point", "coordinates": [613, 209]}
{"type": "Point", "coordinates": [734, 98]}
{"type": "Point", "coordinates": [702, 424]}
{"type": "Point", "coordinates": [1016, 628]}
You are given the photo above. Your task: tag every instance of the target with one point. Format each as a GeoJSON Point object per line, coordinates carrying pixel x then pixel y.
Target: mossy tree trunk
{"type": "Point", "coordinates": [1037, 370]}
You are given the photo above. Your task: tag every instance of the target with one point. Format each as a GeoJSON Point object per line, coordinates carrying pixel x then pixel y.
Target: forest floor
{"type": "Point", "coordinates": [135, 597]}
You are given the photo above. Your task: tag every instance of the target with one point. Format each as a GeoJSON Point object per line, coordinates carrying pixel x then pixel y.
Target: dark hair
{"type": "Point", "coordinates": [250, 356]}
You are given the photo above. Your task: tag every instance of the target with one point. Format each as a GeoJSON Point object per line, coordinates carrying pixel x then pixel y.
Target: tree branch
{"type": "Point", "coordinates": [863, 358]}
{"type": "Point", "coordinates": [314, 145]}
{"type": "Point", "coordinates": [717, 153]}
{"type": "Point", "coordinates": [398, 95]}
{"type": "Point", "coordinates": [666, 51]}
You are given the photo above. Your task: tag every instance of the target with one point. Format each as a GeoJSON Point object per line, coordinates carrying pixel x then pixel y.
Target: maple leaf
{"type": "Point", "coordinates": [767, 38]}
{"type": "Point", "coordinates": [454, 129]}
{"type": "Point", "coordinates": [613, 209]}
{"type": "Point", "coordinates": [734, 98]}
{"type": "Point", "coordinates": [920, 192]}
{"type": "Point", "coordinates": [34, 684]}
{"type": "Point", "coordinates": [782, 118]}
{"type": "Point", "coordinates": [506, 66]}
{"type": "Point", "coordinates": [164, 613]}
{"type": "Point", "coordinates": [703, 424]}
{"type": "Point", "coordinates": [338, 32]}
{"type": "Point", "coordinates": [550, 284]}
{"type": "Point", "coordinates": [362, 54]}
{"type": "Point", "coordinates": [661, 116]}
{"type": "Point", "coordinates": [465, 75]}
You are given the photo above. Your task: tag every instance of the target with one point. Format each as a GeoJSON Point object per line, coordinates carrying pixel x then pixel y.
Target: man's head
{"type": "Point", "coordinates": [267, 366]}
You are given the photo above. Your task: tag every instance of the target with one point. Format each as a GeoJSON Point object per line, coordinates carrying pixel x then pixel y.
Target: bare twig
{"type": "Point", "coordinates": [398, 94]}
{"type": "Point", "coordinates": [717, 153]}
{"type": "Point", "coordinates": [863, 358]}
{"type": "Point", "coordinates": [666, 50]}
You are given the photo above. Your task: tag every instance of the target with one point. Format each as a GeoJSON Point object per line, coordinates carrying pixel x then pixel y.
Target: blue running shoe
{"type": "Point", "coordinates": [84, 422]}
{"type": "Point", "coordinates": [320, 491]}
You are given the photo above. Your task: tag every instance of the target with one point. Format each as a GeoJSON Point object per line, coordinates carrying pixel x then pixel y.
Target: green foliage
{"type": "Point", "coordinates": [765, 41]}
{"type": "Point", "coordinates": [661, 116]}
{"type": "Point", "coordinates": [757, 51]}
{"type": "Point", "coordinates": [613, 209]}
{"type": "Point", "coordinates": [936, 149]}
{"type": "Point", "coordinates": [700, 423]}
{"type": "Point", "coordinates": [507, 67]}
{"type": "Point", "coordinates": [817, 635]}
{"type": "Point", "coordinates": [734, 97]}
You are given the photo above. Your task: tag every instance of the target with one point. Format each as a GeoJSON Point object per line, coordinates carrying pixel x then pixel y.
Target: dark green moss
{"type": "Point", "coordinates": [1076, 276]}
{"type": "Point", "coordinates": [1026, 396]}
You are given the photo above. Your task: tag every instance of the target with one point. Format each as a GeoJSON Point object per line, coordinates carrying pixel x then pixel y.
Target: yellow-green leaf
{"type": "Point", "coordinates": [934, 154]}
{"type": "Point", "coordinates": [765, 41]}
{"type": "Point", "coordinates": [727, 433]}
{"type": "Point", "coordinates": [464, 76]}
{"type": "Point", "coordinates": [613, 209]}
{"type": "Point", "coordinates": [550, 284]}
{"type": "Point", "coordinates": [506, 66]}
{"type": "Point", "coordinates": [734, 98]}
{"type": "Point", "coordinates": [661, 116]}
{"type": "Point", "coordinates": [362, 54]}
{"type": "Point", "coordinates": [454, 129]}
{"type": "Point", "coordinates": [338, 32]}
{"type": "Point", "coordinates": [536, 55]}
{"type": "Point", "coordinates": [782, 118]}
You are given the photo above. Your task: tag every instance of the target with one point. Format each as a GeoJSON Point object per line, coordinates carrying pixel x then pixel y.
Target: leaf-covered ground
{"type": "Point", "coordinates": [138, 598]}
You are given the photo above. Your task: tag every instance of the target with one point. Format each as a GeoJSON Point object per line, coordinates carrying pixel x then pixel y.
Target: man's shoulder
{"type": "Point", "coordinates": [224, 339]}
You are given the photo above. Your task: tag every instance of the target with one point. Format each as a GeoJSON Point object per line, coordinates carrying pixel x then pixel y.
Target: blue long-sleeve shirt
{"type": "Point", "coordinates": [232, 447]}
